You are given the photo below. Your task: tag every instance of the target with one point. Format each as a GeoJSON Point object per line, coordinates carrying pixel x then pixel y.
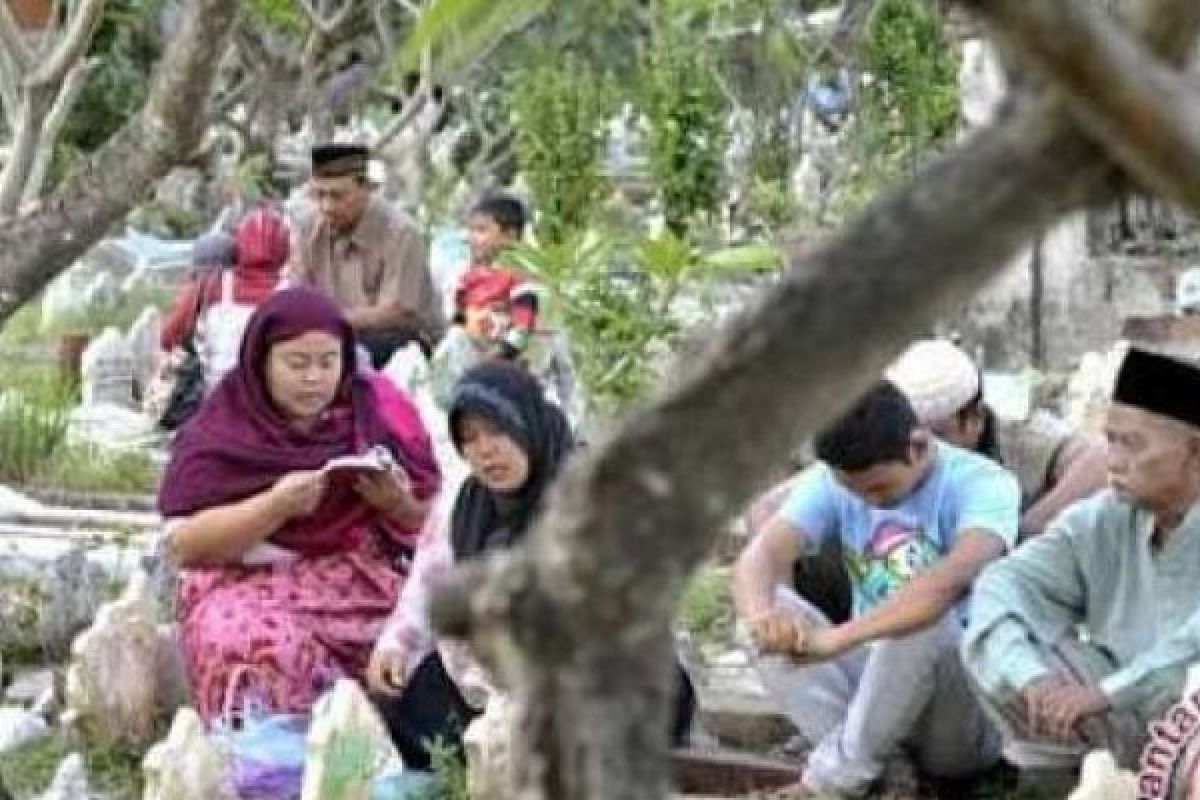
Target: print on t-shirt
{"type": "Point", "coordinates": [897, 549]}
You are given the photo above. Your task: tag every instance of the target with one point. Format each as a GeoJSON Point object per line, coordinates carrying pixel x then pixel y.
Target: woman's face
{"type": "Point", "coordinates": [495, 459]}
{"type": "Point", "coordinates": [303, 375]}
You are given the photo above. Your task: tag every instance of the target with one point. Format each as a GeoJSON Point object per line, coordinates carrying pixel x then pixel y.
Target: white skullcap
{"type": "Point", "coordinates": [938, 378]}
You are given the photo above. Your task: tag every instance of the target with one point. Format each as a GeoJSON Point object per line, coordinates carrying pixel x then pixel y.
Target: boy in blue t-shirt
{"type": "Point", "coordinates": [918, 520]}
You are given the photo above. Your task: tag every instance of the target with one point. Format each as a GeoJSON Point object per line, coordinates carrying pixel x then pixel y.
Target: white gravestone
{"type": "Point", "coordinates": [144, 346]}
{"type": "Point", "coordinates": [982, 84]}
{"type": "Point", "coordinates": [108, 371]}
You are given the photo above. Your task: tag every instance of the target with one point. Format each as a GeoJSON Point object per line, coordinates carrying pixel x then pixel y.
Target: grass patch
{"type": "Point", "coordinates": [706, 608]}
{"type": "Point", "coordinates": [450, 774]}
{"type": "Point", "coordinates": [35, 405]}
{"type": "Point", "coordinates": [81, 469]}
{"type": "Point", "coordinates": [115, 770]}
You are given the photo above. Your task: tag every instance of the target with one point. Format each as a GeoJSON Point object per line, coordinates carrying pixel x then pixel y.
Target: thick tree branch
{"type": "Point", "coordinates": [36, 247]}
{"type": "Point", "coordinates": [1148, 116]}
{"type": "Point", "coordinates": [73, 45]}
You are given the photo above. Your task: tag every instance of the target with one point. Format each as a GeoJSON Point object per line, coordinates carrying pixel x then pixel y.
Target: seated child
{"type": "Point", "coordinates": [478, 332]}
{"type": "Point", "coordinates": [497, 314]}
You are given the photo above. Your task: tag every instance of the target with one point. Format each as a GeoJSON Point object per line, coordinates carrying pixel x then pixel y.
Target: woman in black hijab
{"type": "Point", "coordinates": [514, 442]}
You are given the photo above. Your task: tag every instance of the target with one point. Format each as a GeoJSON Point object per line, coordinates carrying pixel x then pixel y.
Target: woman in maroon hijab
{"type": "Point", "coordinates": [289, 573]}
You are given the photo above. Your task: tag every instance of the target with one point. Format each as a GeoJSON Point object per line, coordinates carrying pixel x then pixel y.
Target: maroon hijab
{"type": "Point", "coordinates": [238, 444]}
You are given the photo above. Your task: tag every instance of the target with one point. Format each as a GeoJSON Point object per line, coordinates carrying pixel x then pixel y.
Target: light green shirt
{"type": "Point", "coordinates": [1095, 571]}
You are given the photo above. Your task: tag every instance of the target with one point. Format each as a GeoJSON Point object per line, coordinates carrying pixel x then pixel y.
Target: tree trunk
{"type": "Point", "coordinates": [576, 622]}
{"type": "Point", "coordinates": [34, 248]}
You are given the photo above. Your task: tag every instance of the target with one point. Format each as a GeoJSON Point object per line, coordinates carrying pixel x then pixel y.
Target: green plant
{"type": "Point", "coordinates": [284, 16]}
{"type": "Point", "coordinates": [33, 423]}
{"type": "Point", "coordinates": [351, 764]}
{"type": "Point", "coordinates": [457, 30]}
{"type": "Point", "coordinates": [450, 773]}
{"type": "Point", "coordinates": [35, 404]}
{"type": "Point", "coordinates": [82, 469]}
{"type": "Point", "coordinates": [706, 608]}
{"type": "Point", "coordinates": [560, 144]}
{"type": "Point", "coordinates": [686, 113]}
{"type": "Point", "coordinates": [124, 49]}
{"type": "Point", "coordinates": [914, 97]}
{"type": "Point", "coordinates": [618, 300]}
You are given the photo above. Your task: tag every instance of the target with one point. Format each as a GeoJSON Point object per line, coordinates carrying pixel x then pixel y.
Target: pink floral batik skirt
{"type": "Point", "coordinates": [271, 640]}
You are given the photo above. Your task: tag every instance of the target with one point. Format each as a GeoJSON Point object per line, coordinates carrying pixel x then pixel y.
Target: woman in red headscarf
{"type": "Point", "coordinates": [289, 571]}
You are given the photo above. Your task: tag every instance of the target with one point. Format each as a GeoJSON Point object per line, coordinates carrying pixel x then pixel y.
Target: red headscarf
{"type": "Point", "coordinates": [263, 247]}
{"type": "Point", "coordinates": [239, 445]}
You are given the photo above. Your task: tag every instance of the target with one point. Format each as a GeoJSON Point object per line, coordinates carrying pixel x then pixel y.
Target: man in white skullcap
{"type": "Point", "coordinates": [1054, 467]}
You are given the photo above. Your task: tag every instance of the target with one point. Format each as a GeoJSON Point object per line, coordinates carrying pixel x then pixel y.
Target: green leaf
{"type": "Point", "coordinates": [457, 30]}
{"type": "Point", "coordinates": [754, 259]}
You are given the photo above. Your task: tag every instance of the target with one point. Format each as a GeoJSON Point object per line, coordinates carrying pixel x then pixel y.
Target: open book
{"type": "Point", "coordinates": [377, 459]}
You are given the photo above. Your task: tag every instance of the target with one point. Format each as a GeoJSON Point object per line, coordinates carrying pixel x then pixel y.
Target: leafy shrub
{"type": "Point", "coordinates": [561, 112]}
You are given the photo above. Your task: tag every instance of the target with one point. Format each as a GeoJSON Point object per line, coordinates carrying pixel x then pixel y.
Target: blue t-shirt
{"type": "Point", "coordinates": [885, 547]}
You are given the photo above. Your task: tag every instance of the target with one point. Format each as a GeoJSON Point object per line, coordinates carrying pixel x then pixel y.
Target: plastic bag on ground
{"type": "Point", "coordinates": [188, 764]}
{"type": "Point", "coordinates": [348, 747]}
{"type": "Point", "coordinates": [267, 756]}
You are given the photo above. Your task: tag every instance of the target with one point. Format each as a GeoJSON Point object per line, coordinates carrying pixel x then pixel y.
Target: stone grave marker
{"type": "Point", "coordinates": [108, 370]}
{"type": "Point", "coordinates": [143, 346]}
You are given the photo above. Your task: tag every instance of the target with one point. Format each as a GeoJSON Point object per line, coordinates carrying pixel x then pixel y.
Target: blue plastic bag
{"type": "Point", "coordinates": [268, 757]}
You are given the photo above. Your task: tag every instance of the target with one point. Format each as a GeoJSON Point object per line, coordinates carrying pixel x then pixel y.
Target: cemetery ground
{"type": "Point", "coordinates": [37, 394]}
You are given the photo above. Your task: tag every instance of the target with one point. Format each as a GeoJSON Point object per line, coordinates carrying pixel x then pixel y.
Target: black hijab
{"type": "Point", "coordinates": [511, 399]}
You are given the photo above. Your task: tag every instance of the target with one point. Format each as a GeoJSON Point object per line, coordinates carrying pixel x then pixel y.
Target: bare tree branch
{"type": "Point", "coordinates": [231, 98]}
{"type": "Point", "coordinates": [12, 39]}
{"type": "Point", "coordinates": [411, 7]}
{"type": "Point", "coordinates": [55, 119]}
{"type": "Point", "coordinates": [414, 104]}
{"type": "Point", "coordinates": [851, 22]}
{"type": "Point", "coordinates": [10, 88]}
{"type": "Point", "coordinates": [47, 42]}
{"type": "Point", "coordinates": [383, 29]}
{"type": "Point", "coordinates": [34, 104]}
{"type": "Point", "coordinates": [328, 25]}
{"type": "Point", "coordinates": [73, 45]}
{"type": "Point", "coordinates": [1144, 113]}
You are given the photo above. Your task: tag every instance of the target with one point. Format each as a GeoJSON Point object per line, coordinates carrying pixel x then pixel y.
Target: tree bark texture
{"type": "Point", "coordinates": [577, 622]}
{"type": "Point", "coordinates": [37, 246]}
